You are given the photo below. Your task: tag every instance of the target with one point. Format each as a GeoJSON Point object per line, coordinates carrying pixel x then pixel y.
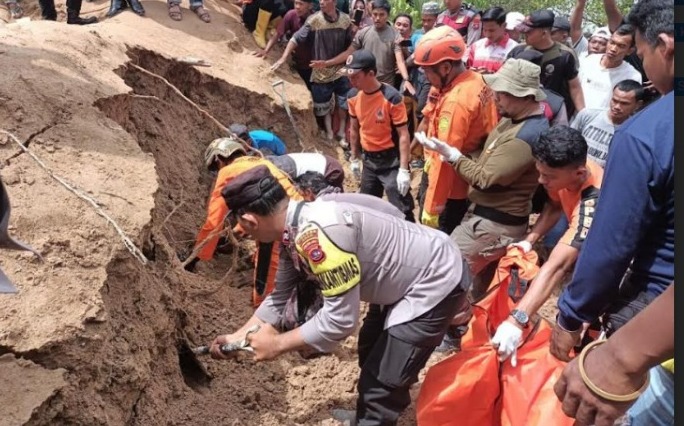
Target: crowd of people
{"type": "Point", "coordinates": [508, 116]}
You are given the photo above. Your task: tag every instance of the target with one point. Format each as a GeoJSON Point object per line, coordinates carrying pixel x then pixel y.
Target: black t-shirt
{"type": "Point", "coordinates": [559, 66]}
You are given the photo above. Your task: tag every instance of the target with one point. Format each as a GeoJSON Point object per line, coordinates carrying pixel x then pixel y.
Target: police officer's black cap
{"type": "Point", "coordinates": [248, 187]}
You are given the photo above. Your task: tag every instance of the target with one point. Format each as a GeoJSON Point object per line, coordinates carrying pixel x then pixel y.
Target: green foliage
{"type": "Point", "coordinates": [594, 15]}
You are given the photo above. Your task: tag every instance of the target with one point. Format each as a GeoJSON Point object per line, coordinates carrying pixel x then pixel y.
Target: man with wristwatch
{"type": "Point", "coordinates": [572, 183]}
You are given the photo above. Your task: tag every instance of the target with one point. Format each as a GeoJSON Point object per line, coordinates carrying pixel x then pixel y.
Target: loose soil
{"type": "Point", "coordinates": [94, 337]}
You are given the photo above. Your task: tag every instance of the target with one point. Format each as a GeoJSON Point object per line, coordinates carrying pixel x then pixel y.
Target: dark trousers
{"type": "Point", "coordinates": [305, 74]}
{"type": "Point", "coordinates": [391, 359]}
{"type": "Point", "coordinates": [454, 210]}
{"type": "Point", "coordinates": [48, 12]}
{"type": "Point", "coordinates": [374, 182]}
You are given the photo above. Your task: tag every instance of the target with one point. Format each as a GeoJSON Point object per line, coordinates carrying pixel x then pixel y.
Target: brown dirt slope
{"type": "Point", "coordinates": [105, 335]}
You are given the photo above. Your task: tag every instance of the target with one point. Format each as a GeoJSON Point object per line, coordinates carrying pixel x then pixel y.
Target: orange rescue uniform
{"type": "Point", "coordinates": [462, 115]}
{"type": "Point", "coordinates": [217, 211]}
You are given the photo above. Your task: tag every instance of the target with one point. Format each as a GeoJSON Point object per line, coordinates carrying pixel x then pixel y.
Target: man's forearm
{"type": "Point", "coordinates": [576, 21]}
{"type": "Point", "coordinates": [647, 339]}
{"type": "Point", "coordinates": [576, 94]}
{"type": "Point", "coordinates": [291, 46]}
{"type": "Point", "coordinates": [341, 58]}
{"type": "Point", "coordinates": [355, 142]}
{"type": "Point", "coordinates": [547, 220]}
{"type": "Point", "coordinates": [242, 331]}
{"type": "Point", "coordinates": [613, 14]}
{"type": "Point", "coordinates": [560, 262]}
{"type": "Point", "coordinates": [404, 147]}
{"type": "Point", "coordinates": [401, 65]}
{"type": "Point", "coordinates": [271, 42]}
{"type": "Point", "coordinates": [290, 341]}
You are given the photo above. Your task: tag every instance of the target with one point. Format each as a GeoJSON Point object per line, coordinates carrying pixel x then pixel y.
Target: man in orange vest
{"type": "Point", "coordinates": [228, 158]}
{"type": "Point", "coordinates": [460, 110]}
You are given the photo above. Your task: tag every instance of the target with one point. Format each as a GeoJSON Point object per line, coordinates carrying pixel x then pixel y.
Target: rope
{"type": "Point", "coordinates": [137, 253]}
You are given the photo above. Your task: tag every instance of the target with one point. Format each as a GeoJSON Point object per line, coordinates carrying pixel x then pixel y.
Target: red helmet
{"type": "Point", "coordinates": [439, 44]}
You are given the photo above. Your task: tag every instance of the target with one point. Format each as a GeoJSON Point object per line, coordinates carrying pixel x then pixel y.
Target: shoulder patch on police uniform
{"type": "Point", "coordinates": [338, 271]}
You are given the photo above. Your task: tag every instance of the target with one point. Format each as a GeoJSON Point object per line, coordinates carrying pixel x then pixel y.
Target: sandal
{"type": "Point", "coordinates": [16, 11]}
{"type": "Point", "coordinates": [202, 13]}
{"type": "Point", "coordinates": [175, 12]}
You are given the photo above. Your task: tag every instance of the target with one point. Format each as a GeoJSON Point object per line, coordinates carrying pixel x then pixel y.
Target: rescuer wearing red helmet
{"type": "Point", "coordinates": [460, 111]}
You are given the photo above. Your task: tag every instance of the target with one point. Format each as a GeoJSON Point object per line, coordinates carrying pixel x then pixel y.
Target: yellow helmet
{"type": "Point", "coordinates": [224, 147]}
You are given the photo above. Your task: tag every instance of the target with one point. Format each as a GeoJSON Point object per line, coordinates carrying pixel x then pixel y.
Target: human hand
{"type": "Point", "coordinates": [261, 53]}
{"type": "Point", "coordinates": [403, 181]}
{"type": "Point", "coordinates": [355, 167]}
{"type": "Point", "coordinates": [580, 403]}
{"type": "Point", "coordinates": [409, 88]}
{"type": "Point", "coordinates": [264, 343]}
{"type": "Point", "coordinates": [428, 219]}
{"type": "Point", "coordinates": [317, 64]}
{"type": "Point", "coordinates": [448, 153]}
{"type": "Point", "coordinates": [277, 64]}
{"type": "Point", "coordinates": [215, 349]}
{"type": "Point", "coordinates": [506, 341]}
{"type": "Point", "coordinates": [523, 245]}
{"type": "Point", "coordinates": [562, 341]}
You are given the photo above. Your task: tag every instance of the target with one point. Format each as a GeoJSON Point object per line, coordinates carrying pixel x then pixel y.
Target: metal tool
{"type": "Point", "coordinates": [6, 241]}
{"type": "Point", "coordinates": [240, 345]}
{"type": "Point", "coordinates": [281, 84]}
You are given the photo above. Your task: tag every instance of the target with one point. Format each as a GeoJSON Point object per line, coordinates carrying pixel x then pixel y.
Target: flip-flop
{"type": "Point", "coordinates": [202, 13]}
{"type": "Point", "coordinates": [175, 12]}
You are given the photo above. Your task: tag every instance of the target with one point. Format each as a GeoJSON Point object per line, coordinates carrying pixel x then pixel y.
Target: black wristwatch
{"type": "Point", "coordinates": [520, 317]}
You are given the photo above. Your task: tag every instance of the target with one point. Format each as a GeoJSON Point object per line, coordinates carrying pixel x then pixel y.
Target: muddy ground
{"type": "Point", "coordinates": [94, 336]}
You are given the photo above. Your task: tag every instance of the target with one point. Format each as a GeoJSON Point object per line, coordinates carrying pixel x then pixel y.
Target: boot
{"type": "Point", "coordinates": [47, 10]}
{"type": "Point", "coordinates": [73, 10]}
{"type": "Point", "coordinates": [115, 7]}
{"type": "Point", "coordinates": [137, 7]}
{"type": "Point", "coordinates": [259, 33]}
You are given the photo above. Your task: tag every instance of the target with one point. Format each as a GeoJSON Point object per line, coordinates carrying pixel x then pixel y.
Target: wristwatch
{"type": "Point", "coordinates": [520, 317]}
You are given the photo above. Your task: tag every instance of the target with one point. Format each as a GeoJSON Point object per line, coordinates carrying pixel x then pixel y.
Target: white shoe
{"type": "Point", "coordinates": [343, 143]}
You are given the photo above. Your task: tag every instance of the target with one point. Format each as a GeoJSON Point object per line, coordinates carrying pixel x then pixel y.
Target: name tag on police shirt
{"type": "Point", "coordinates": [338, 271]}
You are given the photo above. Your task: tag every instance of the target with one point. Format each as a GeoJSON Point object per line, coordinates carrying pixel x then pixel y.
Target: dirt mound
{"type": "Point", "coordinates": [103, 337]}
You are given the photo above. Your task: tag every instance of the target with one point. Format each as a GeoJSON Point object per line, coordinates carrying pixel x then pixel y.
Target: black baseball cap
{"type": "Point", "coordinates": [538, 19]}
{"type": "Point", "coordinates": [248, 187]}
{"type": "Point", "coordinates": [361, 59]}
{"type": "Point", "coordinates": [561, 23]}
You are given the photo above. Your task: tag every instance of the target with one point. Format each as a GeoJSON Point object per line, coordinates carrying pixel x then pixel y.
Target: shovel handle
{"type": "Point", "coordinates": [225, 349]}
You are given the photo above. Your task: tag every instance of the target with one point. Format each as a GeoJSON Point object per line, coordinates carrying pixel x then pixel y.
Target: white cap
{"type": "Point", "coordinates": [513, 19]}
{"type": "Point", "coordinates": [601, 32]}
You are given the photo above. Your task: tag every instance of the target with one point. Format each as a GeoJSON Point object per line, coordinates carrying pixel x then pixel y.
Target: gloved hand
{"type": "Point", "coordinates": [403, 181]}
{"type": "Point", "coordinates": [523, 245]}
{"type": "Point", "coordinates": [428, 219]}
{"type": "Point", "coordinates": [447, 152]}
{"type": "Point", "coordinates": [355, 167]}
{"type": "Point", "coordinates": [506, 341]}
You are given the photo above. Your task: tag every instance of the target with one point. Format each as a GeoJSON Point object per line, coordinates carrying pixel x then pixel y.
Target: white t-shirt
{"type": "Point", "coordinates": [597, 130]}
{"type": "Point", "coordinates": [582, 48]}
{"type": "Point", "coordinates": [598, 81]}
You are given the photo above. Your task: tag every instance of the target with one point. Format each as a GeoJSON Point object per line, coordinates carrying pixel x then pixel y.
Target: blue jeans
{"type": "Point", "coordinates": [556, 233]}
{"type": "Point", "coordinates": [655, 407]}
